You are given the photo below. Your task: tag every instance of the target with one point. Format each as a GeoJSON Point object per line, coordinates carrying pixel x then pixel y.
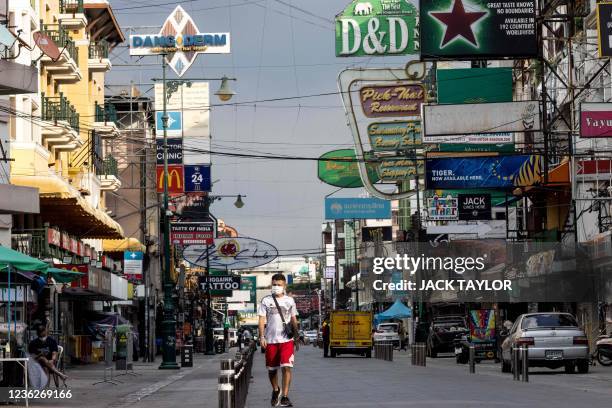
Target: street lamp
{"type": "Point", "coordinates": [225, 93]}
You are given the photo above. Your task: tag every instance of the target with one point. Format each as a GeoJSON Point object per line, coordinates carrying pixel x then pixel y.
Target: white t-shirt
{"type": "Point", "coordinates": [274, 325]}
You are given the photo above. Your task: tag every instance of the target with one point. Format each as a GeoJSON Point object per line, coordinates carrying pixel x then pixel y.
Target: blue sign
{"type": "Point", "coordinates": [358, 208]}
{"type": "Point", "coordinates": [175, 123]}
{"type": "Point", "coordinates": [483, 172]}
{"type": "Point", "coordinates": [197, 178]}
{"type": "Point", "coordinates": [133, 255]}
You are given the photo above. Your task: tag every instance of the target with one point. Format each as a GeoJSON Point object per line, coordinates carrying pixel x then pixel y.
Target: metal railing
{"type": "Point", "coordinates": [234, 378]}
{"type": "Point", "coordinates": [419, 354]}
{"type": "Point", "coordinates": [56, 108]}
{"type": "Point", "coordinates": [383, 351]}
{"type": "Point", "coordinates": [60, 36]}
{"type": "Point", "coordinates": [98, 49]}
{"type": "Point", "coordinates": [31, 242]}
{"type": "Point", "coordinates": [105, 113]}
{"type": "Point", "coordinates": [71, 6]}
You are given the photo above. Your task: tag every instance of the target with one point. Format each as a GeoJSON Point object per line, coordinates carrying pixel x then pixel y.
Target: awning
{"type": "Point", "coordinates": [61, 204]}
{"type": "Point", "coordinates": [20, 261]}
{"type": "Point", "coordinates": [64, 275]}
{"type": "Point", "coordinates": [121, 245]}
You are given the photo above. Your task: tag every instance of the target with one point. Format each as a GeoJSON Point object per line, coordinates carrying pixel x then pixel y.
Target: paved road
{"type": "Point", "coordinates": [359, 382]}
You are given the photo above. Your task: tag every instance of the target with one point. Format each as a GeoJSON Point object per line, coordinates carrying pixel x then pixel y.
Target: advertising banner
{"type": "Point", "coordinates": [444, 120]}
{"type": "Point", "coordinates": [343, 172]}
{"type": "Point", "coordinates": [175, 151]}
{"type": "Point", "coordinates": [377, 28]}
{"type": "Point", "coordinates": [474, 207]}
{"type": "Point", "coordinates": [189, 233]}
{"type": "Point", "coordinates": [197, 178]}
{"type": "Point", "coordinates": [474, 85]}
{"type": "Point", "coordinates": [483, 172]}
{"type": "Point", "coordinates": [398, 169]}
{"type": "Point", "coordinates": [176, 179]}
{"type": "Point", "coordinates": [442, 208]}
{"type": "Point", "coordinates": [595, 120]}
{"type": "Point", "coordinates": [604, 28]}
{"type": "Point", "coordinates": [379, 101]}
{"type": "Point", "coordinates": [392, 136]}
{"type": "Point", "coordinates": [357, 208]}
{"type": "Point", "coordinates": [231, 253]}
{"type": "Point", "coordinates": [478, 29]}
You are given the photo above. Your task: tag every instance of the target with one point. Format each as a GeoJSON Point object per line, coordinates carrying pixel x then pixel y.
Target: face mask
{"type": "Point", "coordinates": [277, 290]}
{"type": "Point", "coordinates": [43, 338]}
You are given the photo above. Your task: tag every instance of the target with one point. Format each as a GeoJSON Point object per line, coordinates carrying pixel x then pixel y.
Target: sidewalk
{"type": "Point", "coordinates": [151, 388]}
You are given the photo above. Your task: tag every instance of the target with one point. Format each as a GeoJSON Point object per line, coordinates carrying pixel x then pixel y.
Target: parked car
{"type": "Point", "coordinates": [310, 336]}
{"type": "Point", "coordinates": [554, 340]}
{"type": "Point", "coordinates": [388, 332]}
{"type": "Point", "coordinates": [442, 334]}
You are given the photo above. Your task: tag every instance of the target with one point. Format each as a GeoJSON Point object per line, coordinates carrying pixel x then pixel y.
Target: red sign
{"type": "Point", "coordinates": [74, 246]}
{"type": "Point", "coordinates": [81, 248]}
{"type": "Point", "coordinates": [596, 120]}
{"type": "Point", "coordinates": [176, 179]}
{"type": "Point", "coordinates": [394, 100]}
{"type": "Point", "coordinates": [192, 233]}
{"type": "Point", "coordinates": [65, 241]}
{"type": "Point", "coordinates": [79, 283]}
{"type": "Point", "coordinates": [54, 237]}
{"type": "Point", "coordinates": [594, 166]}
{"type": "Point", "coordinates": [305, 302]}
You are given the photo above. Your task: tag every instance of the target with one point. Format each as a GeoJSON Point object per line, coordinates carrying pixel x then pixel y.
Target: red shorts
{"type": "Point", "coordinates": [279, 355]}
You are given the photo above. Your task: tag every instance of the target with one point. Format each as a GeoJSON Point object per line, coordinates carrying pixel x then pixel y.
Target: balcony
{"type": "Point", "coordinates": [98, 56]}
{"type": "Point", "coordinates": [60, 129]}
{"type": "Point", "coordinates": [66, 67]}
{"type": "Point", "coordinates": [108, 171]}
{"type": "Point", "coordinates": [105, 121]}
{"type": "Point", "coordinates": [72, 14]}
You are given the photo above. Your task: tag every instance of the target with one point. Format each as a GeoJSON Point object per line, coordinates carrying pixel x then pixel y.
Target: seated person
{"type": "Point", "coordinates": [44, 350]}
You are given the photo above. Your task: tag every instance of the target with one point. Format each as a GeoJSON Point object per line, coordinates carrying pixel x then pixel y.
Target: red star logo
{"type": "Point", "coordinates": [458, 22]}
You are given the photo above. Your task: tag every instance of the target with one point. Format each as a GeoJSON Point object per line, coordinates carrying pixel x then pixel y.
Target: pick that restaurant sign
{"type": "Point", "coordinates": [474, 207]}
{"type": "Point", "coordinates": [176, 179]}
{"type": "Point", "coordinates": [478, 29]}
{"type": "Point", "coordinates": [181, 41]}
{"type": "Point", "coordinates": [231, 253]}
{"type": "Point", "coordinates": [379, 101]}
{"type": "Point", "coordinates": [377, 28]}
{"type": "Point", "coordinates": [595, 120]}
{"type": "Point", "coordinates": [343, 172]}
{"type": "Point", "coordinates": [189, 233]}
{"type": "Point", "coordinates": [604, 28]}
{"type": "Point", "coordinates": [392, 136]}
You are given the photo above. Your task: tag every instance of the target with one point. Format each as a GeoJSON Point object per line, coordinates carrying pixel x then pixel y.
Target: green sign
{"type": "Point", "coordinates": [377, 28]}
{"type": "Point", "coordinates": [478, 29]}
{"type": "Point", "coordinates": [397, 169]}
{"type": "Point", "coordinates": [250, 283]}
{"type": "Point", "coordinates": [474, 85]}
{"type": "Point", "coordinates": [392, 136]}
{"type": "Point", "coordinates": [343, 172]}
{"type": "Point", "coordinates": [219, 293]}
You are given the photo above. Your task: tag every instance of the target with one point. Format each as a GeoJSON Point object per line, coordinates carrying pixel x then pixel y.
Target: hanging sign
{"type": "Point", "coordinates": [188, 233]}
{"type": "Point", "coordinates": [392, 136]}
{"type": "Point", "coordinates": [398, 169]}
{"type": "Point", "coordinates": [379, 101]}
{"type": "Point", "coordinates": [176, 179]}
{"type": "Point", "coordinates": [339, 168]}
{"type": "Point", "coordinates": [231, 253]}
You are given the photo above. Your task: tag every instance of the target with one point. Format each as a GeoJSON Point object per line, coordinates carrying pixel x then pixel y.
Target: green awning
{"type": "Point", "coordinates": [20, 261]}
{"type": "Point", "coordinates": [64, 275]}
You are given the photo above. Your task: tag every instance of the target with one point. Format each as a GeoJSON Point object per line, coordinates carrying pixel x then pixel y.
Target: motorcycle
{"type": "Point", "coordinates": [604, 350]}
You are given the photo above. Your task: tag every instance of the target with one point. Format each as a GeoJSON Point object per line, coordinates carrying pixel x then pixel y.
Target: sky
{"type": "Point", "coordinates": [277, 52]}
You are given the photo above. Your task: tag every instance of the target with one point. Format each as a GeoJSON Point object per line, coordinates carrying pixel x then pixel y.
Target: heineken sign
{"type": "Point", "coordinates": [377, 28]}
{"type": "Point", "coordinates": [339, 168]}
{"type": "Point", "coordinates": [478, 29]}
{"type": "Point", "coordinates": [392, 136]}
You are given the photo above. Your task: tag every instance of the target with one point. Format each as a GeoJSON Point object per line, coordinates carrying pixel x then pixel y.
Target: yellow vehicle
{"type": "Point", "coordinates": [350, 333]}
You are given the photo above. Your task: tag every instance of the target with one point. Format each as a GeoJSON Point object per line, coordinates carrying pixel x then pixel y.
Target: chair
{"type": "Point", "coordinates": [59, 365]}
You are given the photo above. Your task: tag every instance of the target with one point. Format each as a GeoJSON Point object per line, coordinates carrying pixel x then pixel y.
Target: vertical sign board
{"type": "Point", "coordinates": [604, 28]}
{"type": "Point", "coordinates": [176, 179]}
{"type": "Point", "coordinates": [192, 233]}
{"type": "Point", "coordinates": [132, 264]}
{"type": "Point", "coordinates": [175, 151]}
{"type": "Point", "coordinates": [330, 272]}
{"type": "Point", "coordinates": [197, 178]}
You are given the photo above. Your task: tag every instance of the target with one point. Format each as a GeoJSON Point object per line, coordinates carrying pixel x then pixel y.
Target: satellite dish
{"type": "Point", "coordinates": [47, 45]}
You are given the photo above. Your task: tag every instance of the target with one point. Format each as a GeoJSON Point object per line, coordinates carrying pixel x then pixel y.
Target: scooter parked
{"type": "Point", "coordinates": [604, 350]}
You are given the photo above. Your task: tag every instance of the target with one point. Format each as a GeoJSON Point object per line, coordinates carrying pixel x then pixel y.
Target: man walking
{"type": "Point", "coordinates": [278, 321]}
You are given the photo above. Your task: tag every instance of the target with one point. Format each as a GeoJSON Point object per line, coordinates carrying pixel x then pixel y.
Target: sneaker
{"type": "Point", "coordinates": [285, 402]}
{"type": "Point", "coordinates": [275, 400]}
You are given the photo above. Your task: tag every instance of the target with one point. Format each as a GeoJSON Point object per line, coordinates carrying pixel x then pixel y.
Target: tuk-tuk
{"type": "Point", "coordinates": [482, 336]}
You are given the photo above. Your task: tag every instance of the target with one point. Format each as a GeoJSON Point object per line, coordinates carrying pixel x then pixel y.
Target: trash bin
{"type": "Point", "coordinates": [220, 346]}
{"type": "Point", "coordinates": [187, 356]}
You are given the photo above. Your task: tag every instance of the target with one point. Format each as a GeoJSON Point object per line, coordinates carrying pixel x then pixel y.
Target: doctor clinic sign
{"type": "Point", "coordinates": [377, 28]}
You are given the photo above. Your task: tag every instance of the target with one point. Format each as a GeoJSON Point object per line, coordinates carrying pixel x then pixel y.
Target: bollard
{"type": "Point", "coordinates": [525, 363]}
{"type": "Point", "coordinates": [226, 384]}
{"type": "Point", "coordinates": [413, 354]}
{"type": "Point", "coordinates": [516, 371]}
{"type": "Point", "coordinates": [472, 357]}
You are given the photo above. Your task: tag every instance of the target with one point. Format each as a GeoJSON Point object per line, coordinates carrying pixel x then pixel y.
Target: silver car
{"type": "Point", "coordinates": [554, 340]}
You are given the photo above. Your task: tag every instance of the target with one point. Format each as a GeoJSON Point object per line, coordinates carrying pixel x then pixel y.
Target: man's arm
{"type": "Point", "coordinates": [262, 337]}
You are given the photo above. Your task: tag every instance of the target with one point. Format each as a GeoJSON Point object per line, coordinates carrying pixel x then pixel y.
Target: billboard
{"type": "Point", "coordinates": [444, 120]}
{"type": "Point", "coordinates": [175, 150]}
{"type": "Point", "coordinates": [474, 85]}
{"type": "Point", "coordinates": [176, 179]}
{"type": "Point", "coordinates": [604, 29]}
{"type": "Point", "coordinates": [181, 42]}
{"type": "Point", "coordinates": [478, 29]}
{"type": "Point", "coordinates": [190, 233]}
{"type": "Point", "coordinates": [380, 101]}
{"type": "Point", "coordinates": [442, 208]}
{"type": "Point", "coordinates": [231, 253]}
{"type": "Point", "coordinates": [595, 120]}
{"type": "Point", "coordinates": [474, 207]}
{"type": "Point", "coordinates": [343, 172]}
{"type": "Point", "coordinates": [368, 28]}
{"type": "Point", "coordinates": [483, 172]}
{"type": "Point", "coordinates": [398, 169]}
{"type": "Point", "coordinates": [357, 208]}
{"type": "Point", "coordinates": [392, 136]}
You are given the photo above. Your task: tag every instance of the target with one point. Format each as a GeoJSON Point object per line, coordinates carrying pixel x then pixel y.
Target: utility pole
{"type": "Point", "coordinates": [169, 322]}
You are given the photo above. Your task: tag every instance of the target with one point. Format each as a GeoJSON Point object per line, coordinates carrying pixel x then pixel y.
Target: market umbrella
{"type": "Point", "coordinates": [64, 275]}
{"type": "Point", "coordinates": [397, 311]}
{"type": "Point", "coordinates": [17, 260]}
